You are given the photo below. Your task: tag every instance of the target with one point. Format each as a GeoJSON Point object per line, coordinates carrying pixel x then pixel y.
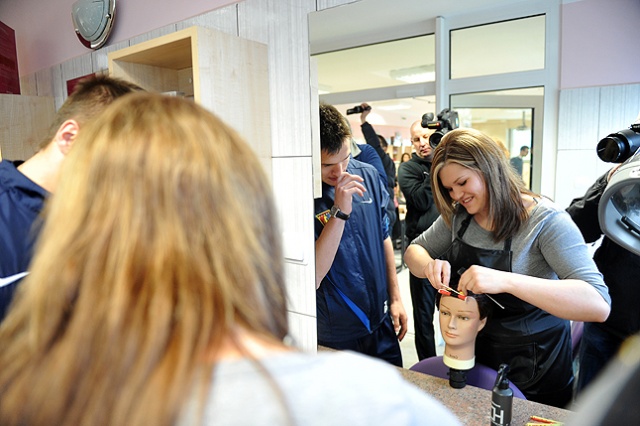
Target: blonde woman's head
{"type": "Point", "coordinates": [161, 241]}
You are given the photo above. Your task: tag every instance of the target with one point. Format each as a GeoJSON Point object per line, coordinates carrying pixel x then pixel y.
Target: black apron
{"type": "Point", "coordinates": [535, 344]}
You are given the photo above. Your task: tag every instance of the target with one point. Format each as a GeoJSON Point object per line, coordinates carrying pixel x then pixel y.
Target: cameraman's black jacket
{"type": "Point", "coordinates": [619, 267]}
{"type": "Point", "coordinates": [415, 183]}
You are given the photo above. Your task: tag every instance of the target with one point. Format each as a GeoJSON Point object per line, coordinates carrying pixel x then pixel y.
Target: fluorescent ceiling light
{"type": "Point", "coordinates": [419, 74]}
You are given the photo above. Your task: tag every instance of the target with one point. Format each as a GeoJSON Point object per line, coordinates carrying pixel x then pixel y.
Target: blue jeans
{"type": "Point", "coordinates": [597, 348]}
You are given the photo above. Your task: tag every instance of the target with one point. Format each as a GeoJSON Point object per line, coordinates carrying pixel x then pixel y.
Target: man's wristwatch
{"type": "Point", "coordinates": [336, 212]}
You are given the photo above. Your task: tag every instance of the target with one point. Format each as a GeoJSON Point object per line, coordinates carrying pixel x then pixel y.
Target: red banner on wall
{"type": "Point", "coordinates": [9, 76]}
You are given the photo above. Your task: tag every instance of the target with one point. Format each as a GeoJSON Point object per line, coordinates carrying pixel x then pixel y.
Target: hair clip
{"type": "Point", "coordinates": [450, 290]}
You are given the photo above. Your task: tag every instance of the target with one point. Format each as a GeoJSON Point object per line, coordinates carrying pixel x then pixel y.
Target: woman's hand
{"type": "Point", "coordinates": [438, 272]}
{"type": "Point", "coordinates": [480, 280]}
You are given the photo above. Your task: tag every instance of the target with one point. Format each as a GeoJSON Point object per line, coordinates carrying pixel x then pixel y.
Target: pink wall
{"type": "Point", "coordinates": [600, 43]}
{"type": "Point", "coordinates": [599, 37]}
{"type": "Point", "coordinates": [45, 35]}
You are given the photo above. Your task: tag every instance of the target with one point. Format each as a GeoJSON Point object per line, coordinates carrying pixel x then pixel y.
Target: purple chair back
{"type": "Point", "coordinates": [479, 376]}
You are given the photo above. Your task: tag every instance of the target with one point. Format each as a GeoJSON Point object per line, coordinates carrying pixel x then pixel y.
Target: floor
{"type": "Point", "coordinates": [407, 345]}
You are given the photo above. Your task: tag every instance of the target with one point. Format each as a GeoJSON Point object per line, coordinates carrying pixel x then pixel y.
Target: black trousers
{"type": "Point", "coordinates": [423, 299]}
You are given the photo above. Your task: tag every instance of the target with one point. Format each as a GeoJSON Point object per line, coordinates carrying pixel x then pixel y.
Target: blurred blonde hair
{"type": "Point", "coordinates": [161, 241]}
{"type": "Point", "coordinates": [474, 150]}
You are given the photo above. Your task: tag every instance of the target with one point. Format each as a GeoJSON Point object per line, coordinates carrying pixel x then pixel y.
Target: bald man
{"type": "Point", "coordinates": [415, 184]}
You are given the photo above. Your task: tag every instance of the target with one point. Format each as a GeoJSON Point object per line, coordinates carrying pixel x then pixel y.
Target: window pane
{"type": "Point", "coordinates": [387, 64]}
{"type": "Point", "coordinates": [504, 47]}
{"type": "Point", "coordinates": [506, 117]}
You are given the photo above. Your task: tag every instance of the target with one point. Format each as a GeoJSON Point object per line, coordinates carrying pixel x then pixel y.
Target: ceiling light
{"type": "Point", "coordinates": [419, 74]}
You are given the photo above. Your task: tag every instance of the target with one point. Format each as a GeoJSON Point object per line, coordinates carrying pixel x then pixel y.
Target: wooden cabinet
{"type": "Point", "coordinates": [226, 74]}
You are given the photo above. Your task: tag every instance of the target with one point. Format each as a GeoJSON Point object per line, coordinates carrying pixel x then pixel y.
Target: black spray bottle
{"type": "Point", "coordinates": [501, 399]}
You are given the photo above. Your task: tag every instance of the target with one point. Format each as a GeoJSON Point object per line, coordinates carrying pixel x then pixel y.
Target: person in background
{"type": "Point", "coordinates": [368, 154]}
{"type": "Point", "coordinates": [405, 157]}
{"type": "Point", "coordinates": [24, 186]}
{"type": "Point", "coordinates": [415, 184]}
{"type": "Point", "coordinates": [518, 161]}
{"type": "Point", "coordinates": [379, 143]}
{"type": "Point", "coordinates": [134, 315]}
{"type": "Point", "coordinates": [357, 298]}
{"type": "Point", "coordinates": [497, 237]}
{"type": "Point", "coordinates": [620, 269]}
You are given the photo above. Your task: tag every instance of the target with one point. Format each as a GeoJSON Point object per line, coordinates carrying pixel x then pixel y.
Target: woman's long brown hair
{"type": "Point", "coordinates": [161, 240]}
{"type": "Point", "coordinates": [476, 151]}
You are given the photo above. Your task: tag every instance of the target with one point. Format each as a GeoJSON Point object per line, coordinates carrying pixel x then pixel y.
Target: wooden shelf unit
{"type": "Point", "coordinates": [226, 74]}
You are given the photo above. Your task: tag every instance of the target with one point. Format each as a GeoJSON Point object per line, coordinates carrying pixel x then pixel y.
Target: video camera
{"type": "Point", "coordinates": [619, 147]}
{"type": "Point", "coordinates": [447, 120]}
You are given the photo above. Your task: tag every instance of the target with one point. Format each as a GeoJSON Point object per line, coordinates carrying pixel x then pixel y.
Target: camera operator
{"type": "Point", "coordinates": [620, 268]}
{"type": "Point", "coordinates": [415, 183]}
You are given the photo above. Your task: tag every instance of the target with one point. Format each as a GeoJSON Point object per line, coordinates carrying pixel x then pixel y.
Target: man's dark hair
{"type": "Point", "coordinates": [383, 142]}
{"type": "Point", "coordinates": [334, 129]}
{"type": "Point", "coordinates": [90, 96]}
{"type": "Point", "coordinates": [523, 147]}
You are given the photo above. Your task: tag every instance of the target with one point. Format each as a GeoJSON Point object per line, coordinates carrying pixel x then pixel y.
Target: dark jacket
{"type": "Point", "coordinates": [415, 183]}
{"type": "Point", "coordinates": [371, 137]}
{"type": "Point", "coordinates": [21, 201]}
{"type": "Point", "coordinates": [619, 267]}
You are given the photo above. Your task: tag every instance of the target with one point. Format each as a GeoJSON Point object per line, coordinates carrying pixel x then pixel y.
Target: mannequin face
{"type": "Point", "coordinates": [460, 322]}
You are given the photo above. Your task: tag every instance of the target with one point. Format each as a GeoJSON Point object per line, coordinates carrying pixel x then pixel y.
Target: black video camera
{"type": "Point", "coordinates": [357, 109]}
{"type": "Point", "coordinates": [619, 147]}
{"type": "Point", "coordinates": [447, 120]}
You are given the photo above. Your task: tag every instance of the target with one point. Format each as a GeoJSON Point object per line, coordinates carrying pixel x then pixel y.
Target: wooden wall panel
{"type": "Point", "coordinates": [28, 85]}
{"type": "Point", "coordinates": [586, 116]}
{"type": "Point", "coordinates": [24, 122]}
{"type": "Point", "coordinates": [578, 114]}
{"type": "Point", "coordinates": [44, 81]}
{"type": "Point", "coordinates": [292, 185]}
{"type": "Point", "coordinates": [303, 332]}
{"type": "Point", "coordinates": [286, 33]}
{"type": "Point", "coordinates": [224, 19]}
{"type": "Point", "coordinates": [325, 4]}
{"type": "Point", "coordinates": [100, 60]}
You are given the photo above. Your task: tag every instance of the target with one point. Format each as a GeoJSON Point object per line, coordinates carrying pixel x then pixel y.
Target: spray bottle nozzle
{"type": "Point", "coordinates": [502, 381]}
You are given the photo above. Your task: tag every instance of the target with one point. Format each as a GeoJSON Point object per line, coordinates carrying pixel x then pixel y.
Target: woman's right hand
{"type": "Point", "coordinates": [438, 272]}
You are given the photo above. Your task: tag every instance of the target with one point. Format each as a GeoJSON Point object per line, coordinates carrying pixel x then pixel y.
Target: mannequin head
{"type": "Point", "coordinates": [460, 323]}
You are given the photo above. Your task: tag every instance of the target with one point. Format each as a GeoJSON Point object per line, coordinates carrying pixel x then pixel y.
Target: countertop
{"type": "Point", "coordinates": [472, 405]}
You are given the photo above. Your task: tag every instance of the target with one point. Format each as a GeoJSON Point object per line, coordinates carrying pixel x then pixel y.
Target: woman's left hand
{"type": "Point", "coordinates": [480, 279]}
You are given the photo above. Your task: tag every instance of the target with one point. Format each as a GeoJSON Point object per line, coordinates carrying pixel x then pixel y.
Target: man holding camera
{"type": "Point", "coordinates": [415, 183]}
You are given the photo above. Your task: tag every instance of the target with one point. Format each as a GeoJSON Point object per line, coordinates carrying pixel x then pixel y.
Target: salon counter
{"type": "Point", "coordinates": [472, 405]}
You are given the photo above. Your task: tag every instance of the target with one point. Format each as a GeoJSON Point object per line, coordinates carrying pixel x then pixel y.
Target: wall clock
{"type": "Point", "coordinates": [93, 20]}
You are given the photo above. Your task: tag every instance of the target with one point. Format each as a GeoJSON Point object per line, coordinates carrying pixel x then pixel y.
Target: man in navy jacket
{"type": "Point", "coordinates": [357, 295]}
{"type": "Point", "coordinates": [24, 186]}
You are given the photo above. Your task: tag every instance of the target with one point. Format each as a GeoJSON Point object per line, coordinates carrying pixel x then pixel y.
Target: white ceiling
{"type": "Point", "coordinates": [368, 22]}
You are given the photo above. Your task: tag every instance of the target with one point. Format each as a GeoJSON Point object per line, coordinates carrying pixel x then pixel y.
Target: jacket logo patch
{"type": "Point", "coordinates": [324, 217]}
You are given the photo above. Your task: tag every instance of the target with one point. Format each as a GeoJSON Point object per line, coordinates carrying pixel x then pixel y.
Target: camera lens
{"type": "Point", "coordinates": [618, 147]}
{"type": "Point", "coordinates": [434, 139]}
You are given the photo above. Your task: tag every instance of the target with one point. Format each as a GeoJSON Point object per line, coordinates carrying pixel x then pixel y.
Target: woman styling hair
{"type": "Point", "coordinates": [157, 297]}
{"type": "Point", "coordinates": [501, 239]}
